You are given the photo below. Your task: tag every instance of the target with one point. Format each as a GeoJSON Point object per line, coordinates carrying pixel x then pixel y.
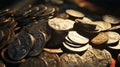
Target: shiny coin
{"type": "Point", "coordinates": [75, 13]}
{"type": "Point", "coordinates": [77, 38]}
{"type": "Point", "coordinates": [100, 38]}
{"type": "Point", "coordinates": [111, 19]}
{"type": "Point", "coordinates": [77, 49]}
{"type": "Point", "coordinates": [61, 24]}
{"type": "Point", "coordinates": [113, 37]}
{"type": "Point", "coordinates": [117, 47]}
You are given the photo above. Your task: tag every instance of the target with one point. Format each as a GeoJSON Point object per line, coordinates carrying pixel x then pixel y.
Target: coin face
{"type": "Point", "coordinates": [77, 38]}
{"type": "Point", "coordinates": [61, 24]}
{"type": "Point", "coordinates": [113, 37]}
{"type": "Point", "coordinates": [20, 46]}
{"type": "Point", "coordinates": [51, 60]}
{"type": "Point", "coordinates": [100, 38]}
{"type": "Point", "coordinates": [75, 13]}
{"type": "Point", "coordinates": [38, 44]}
{"type": "Point", "coordinates": [111, 19]}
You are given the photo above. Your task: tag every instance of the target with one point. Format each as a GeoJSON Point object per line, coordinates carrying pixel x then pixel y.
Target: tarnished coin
{"type": "Point", "coordinates": [100, 38]}
{"type": "Point", "coordinates": [77, 38]}
{"type": "Point", "coordinates": [113, 37]}
{"type": "Point", "coordinates": [33, 62]}
{"type": "Point", "coordinates": [70, 60]}
{"type": "Point", "coordinates": [77, 49]}
{"type": "Point", "coordinates": [116, 47]}
{"type": "Point", "coordinates": [61, 24]}
{"type": "Point", "coordinates": [75, 13]}
{"type": "Point", "coordinates": [38, 44]}
{"type": "Point", "coordinates": [51, 60]}
{"type": "Point", "coordinates": [111, 19]}
{"type": "Point", "coordinates": [20, 46]}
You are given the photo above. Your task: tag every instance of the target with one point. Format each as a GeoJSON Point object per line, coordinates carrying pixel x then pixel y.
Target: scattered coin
{"type": "Point", "coordinates": [75, 13]}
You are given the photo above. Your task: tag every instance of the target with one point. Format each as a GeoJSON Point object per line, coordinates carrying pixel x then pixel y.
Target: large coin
{"type": "Point", "coordinates": [20, 46]}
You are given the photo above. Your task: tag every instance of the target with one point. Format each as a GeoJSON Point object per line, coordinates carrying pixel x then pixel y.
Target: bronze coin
{"type": "Point", "coordinates": [100, 38]}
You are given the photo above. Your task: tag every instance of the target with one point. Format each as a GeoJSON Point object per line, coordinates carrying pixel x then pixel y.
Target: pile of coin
{"type": "Point", "coordinates": [55, 35]}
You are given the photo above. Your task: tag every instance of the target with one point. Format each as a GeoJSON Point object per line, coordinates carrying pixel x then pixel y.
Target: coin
{"type": "Point", "coordinates": [77, 49]}
{"type": "Point", "coordinates": [75, 13]}
{"type": "Point", "coordinates": [113, 37]}
{"type": "Point", "coordinates": [77, 38]}
{"type": "Point", "coordinates": [111, 19]}
{"type": "Point", "coordinates": [38, 44]}
{"type": "Point", "coordinates": [100, 38]}
{"type": "Point", "coordinates": [116, 47]}
{"type": "Point", "coordinates": [20, 46]}
{"type": "Point", "coordinates": [59, 50]}
{"type": "Point", "coordinates": [61, 24]}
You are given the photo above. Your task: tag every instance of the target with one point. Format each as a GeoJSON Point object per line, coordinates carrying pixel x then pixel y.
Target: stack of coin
{"type": "Point", "coordinates": [75, 42]}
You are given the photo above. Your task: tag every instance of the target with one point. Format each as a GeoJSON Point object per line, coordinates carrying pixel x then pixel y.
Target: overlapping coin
{"type": "Point", "coordinates": [20, 46]}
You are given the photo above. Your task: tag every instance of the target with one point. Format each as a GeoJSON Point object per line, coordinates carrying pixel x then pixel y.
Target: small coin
{"type": "Point", "coordinates": [111, 19]}
{"type": "Point", "coordinates": [77, 38]}
{"type": "Point", "coordinates": [113, 37]}
{"type": "Point", "coordinates": [75, 13]}
{"type": "Point", "coordinates": [100, 38]}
